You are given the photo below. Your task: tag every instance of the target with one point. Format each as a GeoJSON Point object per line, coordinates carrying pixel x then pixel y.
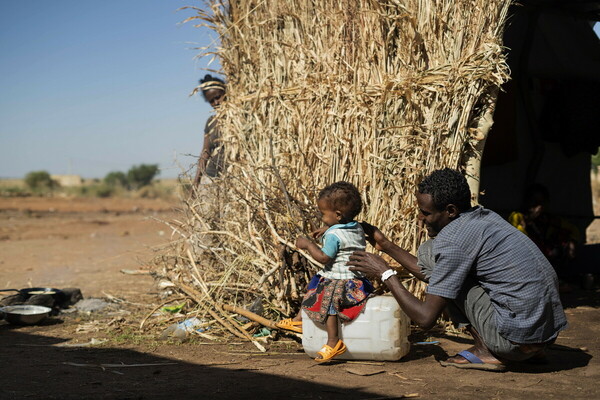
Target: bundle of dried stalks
{"type": "Point", "coordinates": [377, 93]}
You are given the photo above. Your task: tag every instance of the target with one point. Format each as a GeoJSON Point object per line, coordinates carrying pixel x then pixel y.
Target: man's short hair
{"type": "Point", "coordinates": [343, 196]}
{"type": "Point", "coordinates": [447, 186]}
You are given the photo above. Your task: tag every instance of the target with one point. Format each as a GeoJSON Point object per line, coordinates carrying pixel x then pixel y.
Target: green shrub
{"type": "Point", "coordinates": [141, 175]}
{"type": "Point", "coordinates": [14, 191]}
{"type": "Point", "coordinates": [40, 180]}
{"type": "Point", "coordinates": [94, 190]}
{"type": "Point", "coordinates": [116, 178]}
{"type": "Point", "coordinates": [81, 191]}
{"type": "Point", "coordinates": [103, 190]}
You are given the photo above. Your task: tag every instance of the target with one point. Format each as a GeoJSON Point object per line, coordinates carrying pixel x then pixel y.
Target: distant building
{"type": "Point", "coordinates": [67, 180]}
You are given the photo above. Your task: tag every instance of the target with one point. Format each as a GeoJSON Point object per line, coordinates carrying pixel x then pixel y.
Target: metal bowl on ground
{"type": "Point", "coordinates": [25, 314]}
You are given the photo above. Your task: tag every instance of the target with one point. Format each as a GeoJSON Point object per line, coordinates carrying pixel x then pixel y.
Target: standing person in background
{"type": "Point", "coordinates": [210, 162]}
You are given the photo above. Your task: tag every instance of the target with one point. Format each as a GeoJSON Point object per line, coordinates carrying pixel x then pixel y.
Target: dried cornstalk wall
{"type": "Point", "coordinates": [378, 93]}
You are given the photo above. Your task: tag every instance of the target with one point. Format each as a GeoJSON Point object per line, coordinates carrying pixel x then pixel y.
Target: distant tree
{"type": "Point", "coordinates": [116, 178]}
{"type": "Point", "coordinates": [103, 190]}
{"type": "Point", "coordinates": [141, 175]}
{"type": "Point", "coordinates": [37, 180]}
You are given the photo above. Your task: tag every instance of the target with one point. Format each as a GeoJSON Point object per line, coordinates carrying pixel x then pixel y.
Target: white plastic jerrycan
{"type": "Point", "coordinates": [380, 332]}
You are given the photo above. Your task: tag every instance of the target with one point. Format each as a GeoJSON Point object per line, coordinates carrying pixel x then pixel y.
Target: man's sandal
{"type": "Point", "coordinates": [290, 325]}
{"type": "Point", "coordinates": [473, 362]}
{"type": "Point", "coordinates": [328, 352]}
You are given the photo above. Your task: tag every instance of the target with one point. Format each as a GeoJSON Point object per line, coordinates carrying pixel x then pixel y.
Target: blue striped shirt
{"type": "Point", "coordinates": [520, 281]}
{"type": "Point", "coordinates": [339, 242]}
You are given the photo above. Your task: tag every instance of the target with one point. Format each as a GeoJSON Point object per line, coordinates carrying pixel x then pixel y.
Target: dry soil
{"type": "Point", "coordinates": [86, 243]}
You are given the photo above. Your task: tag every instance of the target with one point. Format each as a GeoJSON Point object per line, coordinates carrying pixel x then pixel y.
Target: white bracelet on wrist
{"type": "Point", "coordinates": [387, 274]}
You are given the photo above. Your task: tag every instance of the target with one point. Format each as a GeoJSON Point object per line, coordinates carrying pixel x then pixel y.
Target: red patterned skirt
{"type": "Point", "coordinates": [344, 297]}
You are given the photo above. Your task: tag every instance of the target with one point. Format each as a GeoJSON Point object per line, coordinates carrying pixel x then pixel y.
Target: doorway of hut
{"type": "Point", "coordinates": [547, 118]}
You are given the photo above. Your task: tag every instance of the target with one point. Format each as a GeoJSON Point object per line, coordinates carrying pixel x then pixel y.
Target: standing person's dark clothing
{"type": "Point", "coordinates": [212, 135]}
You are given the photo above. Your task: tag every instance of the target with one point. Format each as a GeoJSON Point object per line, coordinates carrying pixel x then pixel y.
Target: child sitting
{"type": "Point", "coordinates": [334, 293]}
{"type": "Point", "coordinates": [555, 236]}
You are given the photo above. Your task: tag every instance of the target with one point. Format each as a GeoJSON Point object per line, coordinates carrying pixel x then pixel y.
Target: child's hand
{"type": "Point", "coordinates": [302, 242]}
{"type": "Point", "coordinates": [319, 232]}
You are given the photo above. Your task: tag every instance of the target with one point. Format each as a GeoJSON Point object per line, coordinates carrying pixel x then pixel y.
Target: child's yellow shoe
{"type": "Point", "coordinates": [290, 325]}
{"type": "Point", "coordinates": [328, 352]}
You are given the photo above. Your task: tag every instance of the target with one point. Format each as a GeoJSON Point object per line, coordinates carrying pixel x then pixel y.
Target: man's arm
{"type": "Point", "coordinates": [424, 313]}
{"type": "Point", "coordinates": [382, 243]}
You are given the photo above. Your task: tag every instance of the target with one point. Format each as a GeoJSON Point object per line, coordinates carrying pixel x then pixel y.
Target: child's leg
{"type": "Point", "coordinates": [331, 325]}
{"type": "Point", "coordinates": [332, 330]}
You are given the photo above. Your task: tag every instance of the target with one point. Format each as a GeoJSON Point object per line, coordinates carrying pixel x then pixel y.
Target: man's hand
{"type": "Point", "coordinates": [423, 313]}
{"type": "Point", "coordinates": [319, 232]}
{"type": "Point", "coordinates": [374, 236]}
{"type": "Point", "coordinates": [303, 242]}
{"type": "Point", "coordinates": [368, 263]}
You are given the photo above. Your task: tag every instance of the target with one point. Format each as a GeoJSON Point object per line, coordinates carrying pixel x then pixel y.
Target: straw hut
{"type": "Point", "coordinates": [377, 93]}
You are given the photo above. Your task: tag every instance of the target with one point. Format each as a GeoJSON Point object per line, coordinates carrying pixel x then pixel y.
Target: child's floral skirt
{"type": "Point", "coordinates": [344, 297]}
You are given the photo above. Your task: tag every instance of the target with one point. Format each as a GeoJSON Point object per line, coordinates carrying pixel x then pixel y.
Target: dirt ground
{"type": "Point", "coordinates": [86, 243]}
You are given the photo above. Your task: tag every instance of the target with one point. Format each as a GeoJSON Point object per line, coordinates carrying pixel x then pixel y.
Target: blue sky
{"type": "Point", "coordinates": [88, 87]}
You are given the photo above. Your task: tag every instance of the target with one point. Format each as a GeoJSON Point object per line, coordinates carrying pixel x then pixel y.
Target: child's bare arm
{"type": "Point", "coordinates": [315, 252]}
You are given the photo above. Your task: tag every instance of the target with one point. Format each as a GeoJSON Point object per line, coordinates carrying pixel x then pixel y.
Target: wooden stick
{"type": "Point", "coordinates": [156, 308]}
{"type": "Point", "coordinates": [198, 299]}
{"type": "Point", "coordinates": [250, 315]}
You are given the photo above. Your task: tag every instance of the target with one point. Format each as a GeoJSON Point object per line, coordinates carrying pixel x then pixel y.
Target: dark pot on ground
{"type": "Point", "coordinates": [40, 296]}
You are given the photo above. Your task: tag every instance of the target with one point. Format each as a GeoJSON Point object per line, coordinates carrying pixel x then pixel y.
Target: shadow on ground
{"type": "Point", "coordinates": [579, 297]}
{"type": "Point", "coordinates": [33, 367]}
{"type": "Point", "coordinates": [559, 357]}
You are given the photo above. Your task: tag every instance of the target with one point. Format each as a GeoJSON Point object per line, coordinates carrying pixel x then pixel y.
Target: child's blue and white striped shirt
{"type": "Point", "coordinates": [339, 242]}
